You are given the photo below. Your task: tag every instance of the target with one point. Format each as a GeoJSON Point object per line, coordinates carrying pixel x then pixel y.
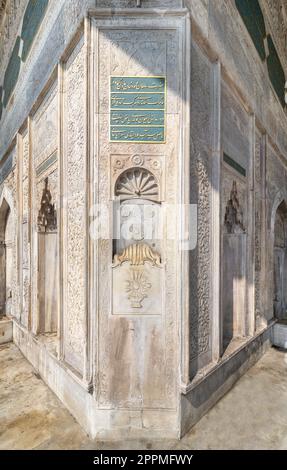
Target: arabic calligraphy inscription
{"type": "Point", "coordinates": [137, 109]}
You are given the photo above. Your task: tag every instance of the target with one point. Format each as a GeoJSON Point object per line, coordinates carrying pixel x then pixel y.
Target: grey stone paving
{"type": "Point", "coordinates": [253, 415]}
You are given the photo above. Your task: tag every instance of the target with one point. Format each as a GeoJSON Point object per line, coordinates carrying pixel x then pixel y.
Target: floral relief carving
{"type": "Point", "coordinates": [44, 128]}
{"type": "Point", "coordinates": [200, 286]}
{"type": "Point", "coordinates": [75, 210]}
{"type": "Point", "coordinates": [150, 54]}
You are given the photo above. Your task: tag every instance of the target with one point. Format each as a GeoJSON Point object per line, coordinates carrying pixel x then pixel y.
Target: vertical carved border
{"type": "Point", "coordinates": [74, 208]}
{"type": "Point", "coordinates": [49, 92]}
{"type": "Point", "coordinates": [172, 325]}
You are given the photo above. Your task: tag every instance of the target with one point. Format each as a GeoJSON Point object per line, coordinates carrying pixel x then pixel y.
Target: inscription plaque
{"type": "Point", "coordinates": [137, 109]}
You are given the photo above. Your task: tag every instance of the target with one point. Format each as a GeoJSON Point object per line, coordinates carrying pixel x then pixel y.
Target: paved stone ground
{"type": "Point", "coordinates": [253, 415]}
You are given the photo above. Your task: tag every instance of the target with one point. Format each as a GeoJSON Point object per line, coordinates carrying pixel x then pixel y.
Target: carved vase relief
{"type": "Point", "coordinates": [136, 273]}
{"type": "Point", "coordinates": [137, 288]}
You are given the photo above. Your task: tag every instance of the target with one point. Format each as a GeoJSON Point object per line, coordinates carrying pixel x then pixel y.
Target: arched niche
{"type": "Point", "coordinates": [47, 263]}
{"type": "Point", "coordinates": [234, 268]}
{"type": "Point", "coordinates": [138, 212]}
{"type": "Point", "coordinates": [137, 250]}
{"type": "Point", "coordinates": [6, 255]}
{"type": "Point", "coordinates": [280, 263]}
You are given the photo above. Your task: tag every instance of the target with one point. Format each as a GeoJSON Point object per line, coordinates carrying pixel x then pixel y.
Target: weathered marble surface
{"type": "Point", "coordinates": [137, 367]}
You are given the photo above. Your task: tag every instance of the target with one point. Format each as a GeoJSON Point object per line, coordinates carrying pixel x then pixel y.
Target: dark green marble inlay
{"type": "Point", "coordinates": [234, 164]}
{"type": "Point", "coordinates": [275, 71]}
{"type": "Point", "coordinates": [6, 167]}
{"type": "Point", "coordinates": [33, 16]}
{"type": "Point", "coordinates": [46, 164]}
{"type": "Point", "coordinates": [253, 18]}
{"type": "Point", "coordinates": [32, 19]}
{"type": "Point", "coordinates": [12, 72]}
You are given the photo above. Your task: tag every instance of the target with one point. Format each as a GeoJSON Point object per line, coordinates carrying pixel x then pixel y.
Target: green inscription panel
{"type": "Point", "coordinates": [140, 118]}
{"type": "Point", "coordinates": [137, 109]}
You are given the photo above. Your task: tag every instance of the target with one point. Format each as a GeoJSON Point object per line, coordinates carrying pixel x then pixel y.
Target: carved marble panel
{"type": "Point", "coordinates": [276, 176]}
{"type": "Point", "coordinates": [44, 128]}
{"type": "Point", "coordinates": [44, 142]}
{"type": "Point", "coordinates": [235, 128]}
{"type": "Point", "coordinates": [75, 259]}
{"type": "Point", "coordinates": [137, 282]}
{"type": "Point", "coordinates": [8, 191]}
{"type": "Point", "coordinates": [259, 185]}
{"type": "Point", "coordinates": [145, 54]}
{"type": "Point", "coordinates": [200, 333]}
{"type": "Point", "coordinates": [137, 327]}
{"type": "Point", "coordinates": [200, 187]}
{"type": "Point", "coordinates": [25, 177]}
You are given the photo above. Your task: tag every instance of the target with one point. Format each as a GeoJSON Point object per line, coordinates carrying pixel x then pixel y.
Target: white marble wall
{"type": "Point", "coordinates": [135, 362]}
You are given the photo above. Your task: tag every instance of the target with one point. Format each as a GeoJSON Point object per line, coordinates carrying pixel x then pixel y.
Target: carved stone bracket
{"type": "Point", "coordinates": [137, 254]}
{"type": "Point", "coordinates": [47, 215]}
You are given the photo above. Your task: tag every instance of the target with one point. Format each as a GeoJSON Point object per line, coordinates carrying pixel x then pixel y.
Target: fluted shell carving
{"type": "Point", "coordinates": [137, 254]}
{"type": "Point", "coordinates": [137, 183]}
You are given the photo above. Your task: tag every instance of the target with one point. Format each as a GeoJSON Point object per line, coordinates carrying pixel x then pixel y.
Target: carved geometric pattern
{"type": "Point", "coordinates": [137, 183]}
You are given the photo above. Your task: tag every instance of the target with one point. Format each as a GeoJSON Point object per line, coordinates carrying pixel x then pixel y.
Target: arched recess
{"type": "Point", "coordinates": [138, 192]}
{"type": "Point", "coordinates": [280, 261]}
{"type": "Point", "coordinates": [234, 268]}
{"type": "Point", "coordinates": [7, 244]}
{"type": "Point", "coordinates": [47, 263]}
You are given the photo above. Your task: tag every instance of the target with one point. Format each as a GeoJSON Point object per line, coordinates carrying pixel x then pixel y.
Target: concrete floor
{"type": "Point", "coordinates": [253, 415]}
